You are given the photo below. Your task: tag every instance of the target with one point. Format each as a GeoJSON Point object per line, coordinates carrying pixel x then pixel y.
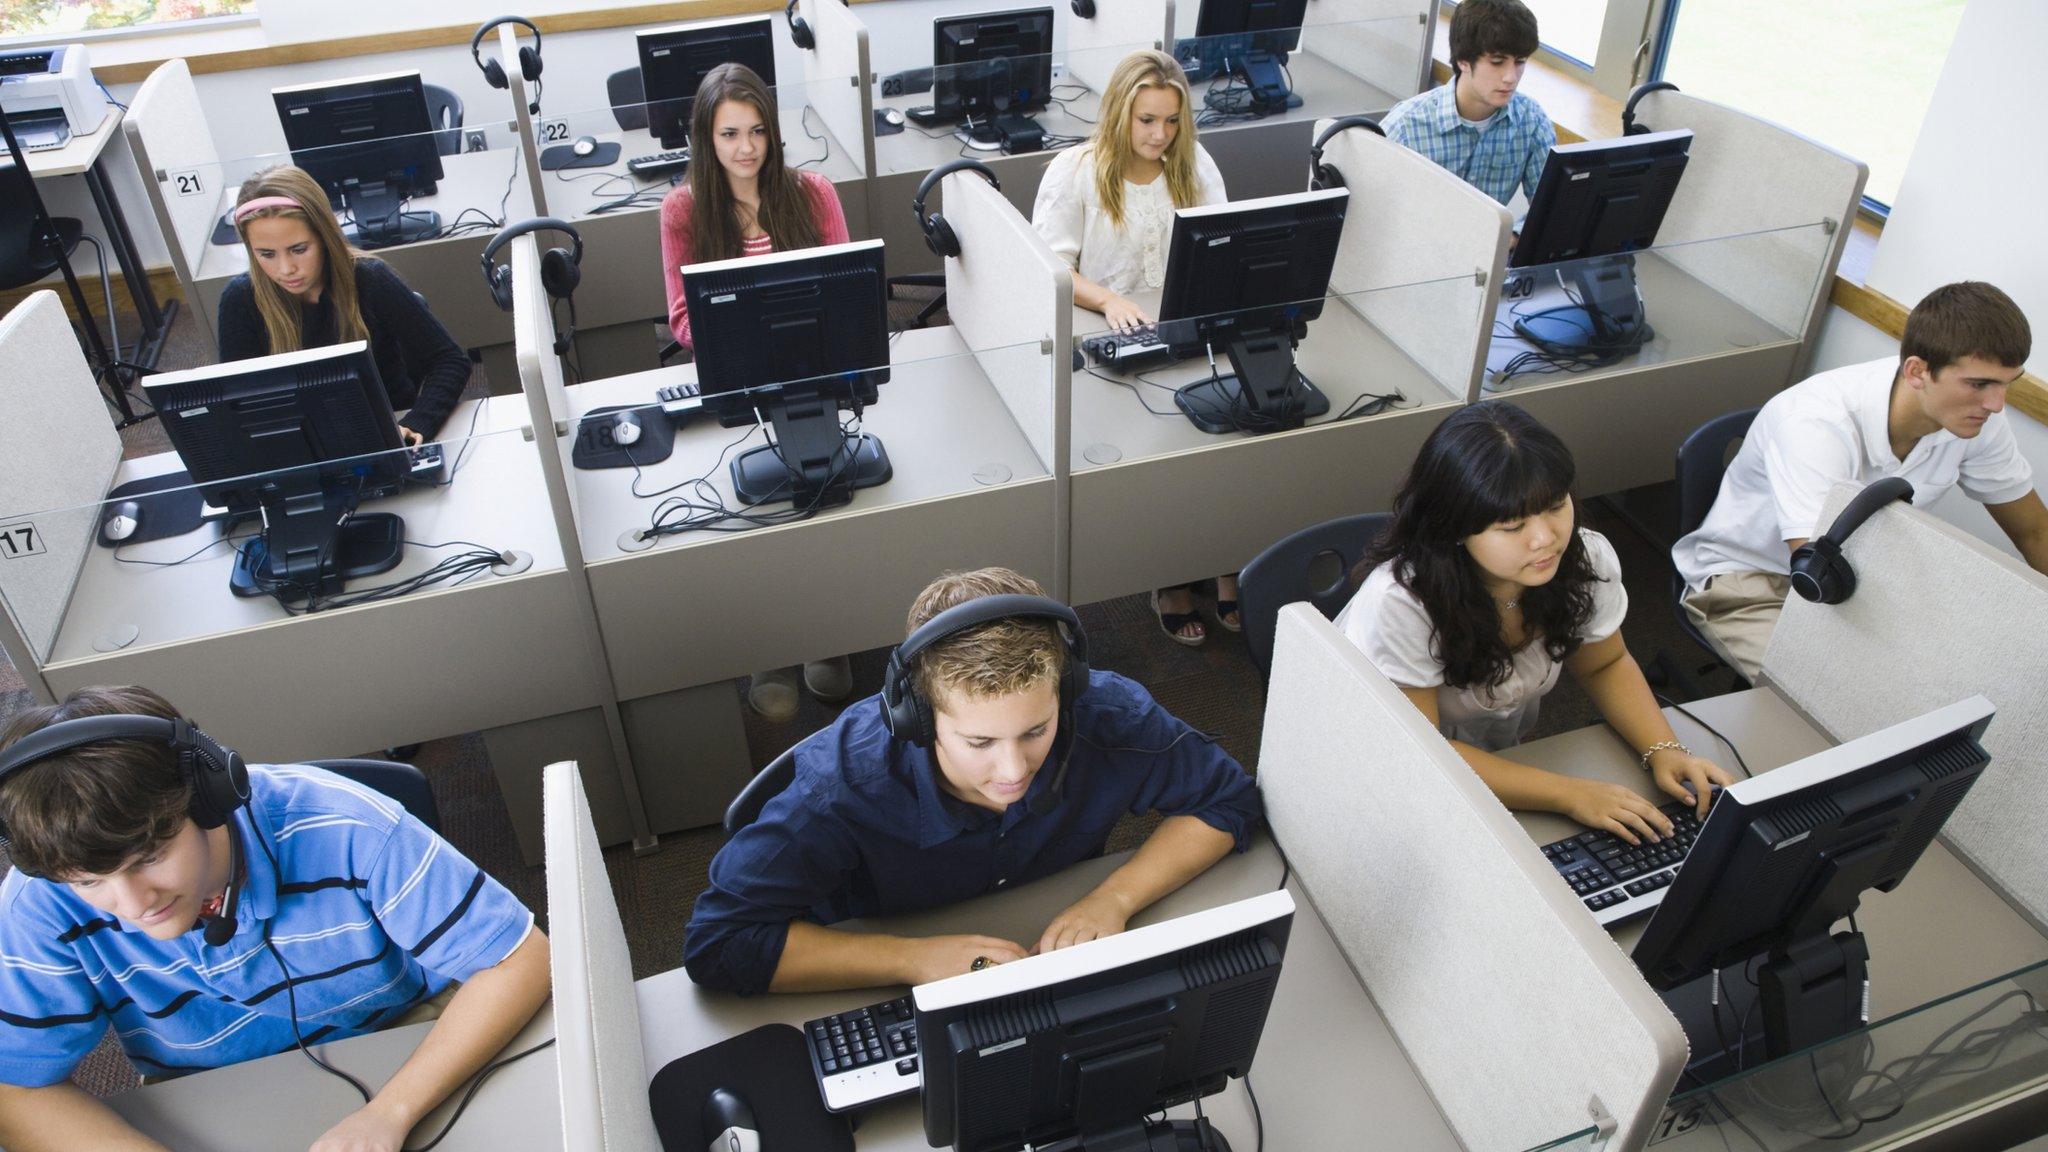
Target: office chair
{"type": "Point", "coordinates": [24, 257]}
{"type": "Point", "coordinates": [444, 112]}
{"type": "Point", "coordinates": [628, 98]}
{"type": "Point", "coordinates": [746, 807]}
{"type": "Point", "coordinates": [1299, 567]}
{"type": "Point", "coordinates": [401, 782]}
{"type": "Point", "coordinates": [1702, 460]}
{"type": "Point", "coordinates": [922, 280]}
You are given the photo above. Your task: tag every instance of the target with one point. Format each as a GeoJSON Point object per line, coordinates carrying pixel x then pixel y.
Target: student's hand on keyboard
{"type": "Point", "coordinates": [1123, 314]}
{"type": "Point", "coordinates": [1612, 808]}
{"type": "Point", "coordinates": [410, 438]}
{"type": "Point", "coordinates": [1090, 918]}
{"type": "Point", "coordinates": [937, 957]}
{"type": "Point", "coordinates": [1688, 777]}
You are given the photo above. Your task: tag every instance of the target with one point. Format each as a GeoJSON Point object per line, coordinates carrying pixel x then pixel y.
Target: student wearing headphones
{"type": "Point", "coordinates": [1479, 125]}
{"type": "Point", "coordinates": [748, 203]}
{"type": "Point", "coordinates": [1106, 208]}
{"type": "Point", "coordinates": [213, 912]}
{"type": "Point", "coordinates": [1483, 589]}
{"type": "Point", "coordinates": [1934, 415]}
{"type": "Point", "coordinates": [993, 756]}
{"type": "Point", "coordinates": [307, 288]}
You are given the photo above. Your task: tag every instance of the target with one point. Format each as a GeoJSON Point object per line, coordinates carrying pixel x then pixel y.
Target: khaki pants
{"type": "Point", "coordinates": [428, 1009]}
{"type": "Point", "coordinates": [1737, 611]}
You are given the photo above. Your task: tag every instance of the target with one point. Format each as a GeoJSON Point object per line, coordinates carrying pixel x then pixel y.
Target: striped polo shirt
{"type": "Point", "coordinates": [1508, 153]}
{"type": "Point", "coordinates": [372, 911]}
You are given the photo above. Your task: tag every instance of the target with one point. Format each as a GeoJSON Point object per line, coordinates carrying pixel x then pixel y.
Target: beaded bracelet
{"type": "Point", "coordinates": [1662, 746]}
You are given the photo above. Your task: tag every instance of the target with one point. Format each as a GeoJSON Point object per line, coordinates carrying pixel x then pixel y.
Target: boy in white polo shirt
{"type": "Point", "coordinates": [1934, 416]}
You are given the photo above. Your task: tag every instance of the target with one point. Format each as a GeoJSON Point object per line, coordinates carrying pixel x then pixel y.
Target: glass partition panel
{"type": "Point", "coordinates": [1583, 1141]}
{"type": "Point", "coordinates": [1879, 1086]}
{"type": "Point", "coordinates": [1663, 305]}
{"type": "Point", "coordinates": [1322, 68]}
{"type": "Point", "coordinates": [386, 191]}
{"type": "Point", "coordinates": [167, 560]}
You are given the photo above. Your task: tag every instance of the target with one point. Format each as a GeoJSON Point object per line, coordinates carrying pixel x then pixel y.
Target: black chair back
{"type": "Point", "coordinates": [628, 98]}
{"type": "Point", "coordinates": [444, 111]}
{"type": "Point", "coordinates": [402, 782]}
{"type": "Point", "coordinates": [1313, 564]}
{"type": "Point", "coordinates": [22, 260]}
{"type": "Point", "coordinates": [1702, 461]}
{"type": "Point", "coordinates": [746, 807]}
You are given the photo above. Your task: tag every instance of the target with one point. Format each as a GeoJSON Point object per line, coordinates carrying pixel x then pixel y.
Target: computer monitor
{"type": "Point", "coordinates": [1076, 1048]}
{"type": "Point", "coordinates": [791, 338]}
{"type": "Point", "coordinates": [989, 70]}
{"type": "Point", "coordinates": [673, 62]}
{"type": "Point", "coordinates": [1784, 856]}
{"type": "Point", "coordinates": [1248, 39]}
{"type": "Point", "coordinates": [1597, 202]}
{"type": "Point", "coordinates": [298, 439]}
{"type": "Point", "coordinates": [369, 142]}
{"type": "Point", "coordinates": [1250, 275]}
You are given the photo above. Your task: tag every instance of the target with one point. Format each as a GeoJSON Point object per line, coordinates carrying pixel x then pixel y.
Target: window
{"type": "Point", "coordinates": [53, 18]}
{"type": "Point", "coordinates": [1853, 77]}
{"type": "Point", "coordinates": [1570, 27]}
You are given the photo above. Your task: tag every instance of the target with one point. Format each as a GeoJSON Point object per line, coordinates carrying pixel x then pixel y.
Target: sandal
{"type": "Point", "coordinates": [1172, 622]}
{"type": "Point", "coordinates": [1225, 610]}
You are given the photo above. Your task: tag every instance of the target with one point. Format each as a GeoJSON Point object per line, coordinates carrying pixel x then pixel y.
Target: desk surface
{"type": "Point", "coordinates": [1939, 932]}
{"type": "Point", "coordinates": [1325, 90]}
{"type": "Point", "coordinates": [78, 153]}
{"type": "Point", "coordinates": [573, 192]}
{"type": "Point", "coordinates": [282, 1103]}
{"type": "Point", "coordinates": [1327, 1070]}
{"type": "Point", "coordinates": [920, 149]}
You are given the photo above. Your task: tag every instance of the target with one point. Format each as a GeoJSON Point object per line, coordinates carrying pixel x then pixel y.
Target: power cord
{"type": "Point", "coordinates": [1689, 714]}
{"type": "Point", "coordinates": [820, 135]}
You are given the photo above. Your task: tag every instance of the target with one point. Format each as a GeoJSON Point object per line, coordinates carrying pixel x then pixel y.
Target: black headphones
{"type": "Point", "coordinates": [1085, 9]}
{"type": "Point", "coordinates": [561, 269]}
{"type": "Point", "coordinates": [799, 29]}
{"type": "Point", "coordinates": [1323, 176]}
{"type": "Point", "coordinates": [939, 235]}
{"type": "Point", "coordinates": [219, 779]}
{"type": "Point", "coordinates": [1819, 570]}
{"type": "Point", "coordinates": [529, 58]}
{"type": "Point", "coordinates": [1629, 127]}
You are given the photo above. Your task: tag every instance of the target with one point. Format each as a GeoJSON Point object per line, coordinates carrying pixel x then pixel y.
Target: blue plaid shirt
{"type": "Point", "coordinates": [1510, 152]}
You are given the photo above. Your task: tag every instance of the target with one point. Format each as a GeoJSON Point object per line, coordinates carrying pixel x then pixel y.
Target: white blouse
{"type": "Point", "coordinates": [1389, 624]}
{"type": "Point", "coordinates": [1123, 259]}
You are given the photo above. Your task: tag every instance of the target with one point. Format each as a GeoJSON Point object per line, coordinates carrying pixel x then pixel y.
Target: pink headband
{"type": "Point", "coordinates": [242, 211]}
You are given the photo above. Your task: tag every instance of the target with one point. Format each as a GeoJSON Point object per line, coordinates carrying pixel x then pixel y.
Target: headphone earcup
{"type": "Point", "coordinates": [559, 273]}
{"type": "Point", "coordinates": [501, 286]}
{"type": "Point", "coordinates": [1325, 178]}
{"type": "Point", "coordinates": [529, 63]}
{"type": "Point", "coordinates": [1821, 574]}
{"type": "Point", "coordinates": [1085, 9]}
{"type": "Point", "coordinates": [800, 33]}
{"type": "Point", "coordinates": [940, 237]}
{"type": "Point", "coordinates": [220, 781]}
{"type": "Point", "coordinates": [494, 74]}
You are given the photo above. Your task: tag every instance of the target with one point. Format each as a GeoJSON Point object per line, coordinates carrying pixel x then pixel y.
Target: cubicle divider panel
{"type": "Point", "coordinates": [1410, 222]}
{"type": "Point", "coordinates": [602, 1073]}
{"type": "Point", "coordinates": [1118, 28]}
{"type": "Point", "coordinates": [1748, 176]}
{"type": "Point", "coordinates": [840, 79]}
{"type": "Point", "coordinates": [58, 453]}
{"type": "Point", "coordinates": [178, 164]}
{"type": "Point", "coordinates": [1938, 615]}
{"type": "Point", "coordinates": [524, 97]}
{"type": "Point", "coordinates": [541, 377]}
{"type": "Point", "coordinates": [1515, 1008]}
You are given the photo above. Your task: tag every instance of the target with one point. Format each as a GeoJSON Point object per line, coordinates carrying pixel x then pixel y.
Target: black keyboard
{"type": "Point", "coordinates": [659, 163]}
{"type": "Point", "coordinates": [679, 399]}
{"type": "Point", "coordinates": [1617, 880]}
{"type": "Point", "coordinates": [864, 1055]}
{"type": "Point", "coordinates": [1128, 349]}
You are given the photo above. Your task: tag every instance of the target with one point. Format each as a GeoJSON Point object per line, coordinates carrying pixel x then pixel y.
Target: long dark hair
{"type": "Point", "coordinates": [714, 215]}
{"type": "Point", "coordinates": [1484, 464]}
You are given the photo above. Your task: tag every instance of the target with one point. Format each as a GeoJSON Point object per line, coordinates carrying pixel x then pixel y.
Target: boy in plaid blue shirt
{"type": "Point", "coordinates": [1478, 125]}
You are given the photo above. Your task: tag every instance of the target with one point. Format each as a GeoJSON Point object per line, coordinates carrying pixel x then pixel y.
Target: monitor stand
{"type": "Point", "coordinates": [1156, 1136]}
{"type": "Point", "coordinates": [381, 219]}
{"type": "Point", "coordinates": [314, 541]}
{"type": "Point", "coordinates": [1606, 323]}
{"type": "Point", "coordinates": [809, 459]}
{"type": "Point", "coordinates": [1279, 398]}
{"type": "Point", "coordinates": [1262, 73]}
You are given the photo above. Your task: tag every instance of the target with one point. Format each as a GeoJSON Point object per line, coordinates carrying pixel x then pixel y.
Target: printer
{"type": "Point", "coordinates": [48, 95]}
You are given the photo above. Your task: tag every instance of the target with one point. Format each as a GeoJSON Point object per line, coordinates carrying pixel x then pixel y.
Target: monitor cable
{"type": "Point", "coordinates": [1689, 714]}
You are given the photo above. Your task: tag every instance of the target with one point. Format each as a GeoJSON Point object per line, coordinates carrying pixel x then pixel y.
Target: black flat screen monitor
{"type": "Point", "coordinates": [1250, 40]}
{"type": "Point", "coordinates": [1250, 275]}
{"type": "Point", "coordinates": [1077, 1048]}
{"type": "Point", "coordinates": [299, 439]}
{"type": "Point", "coordinates": [1597, 202]}
{"type": "Point", "coordinates": [370, 143]}
{"type": "Point", "coordinates": [673, 62]}
{"type": "Point", "coordinates": [791, 338]}
{"type": "Point", "coordinates": [1272, 26]}
{"type": "Point", "coordinates": [1785, 856]}
{"type": "Point", "coordinates": [995, 63]}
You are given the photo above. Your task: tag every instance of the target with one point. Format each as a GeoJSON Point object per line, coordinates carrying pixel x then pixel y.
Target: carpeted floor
{"type": "Point", "coordinates": [1214, 688]}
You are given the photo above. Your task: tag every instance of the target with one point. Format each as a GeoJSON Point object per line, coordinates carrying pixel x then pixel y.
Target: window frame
{"type": "Point", "coordinates": [89, 36]}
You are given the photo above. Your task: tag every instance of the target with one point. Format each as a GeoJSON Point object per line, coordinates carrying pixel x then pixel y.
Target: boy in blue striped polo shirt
{"type": "Point", "coordinates": [105, 920]}
{"type": "Point", "coordinates": [1478, 125]}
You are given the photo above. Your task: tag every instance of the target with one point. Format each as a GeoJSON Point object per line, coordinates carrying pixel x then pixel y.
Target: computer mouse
{"type": "Point", "coordinates": [122, 522]}
{"type": "Point", "coordinates": [626, 428]}
{"type": "Point", "coordinates": [584, 145]}
{"type": "Point", "coordinates": [729, 1123]}
{"type": "Point", "coordinates": [893, 117]}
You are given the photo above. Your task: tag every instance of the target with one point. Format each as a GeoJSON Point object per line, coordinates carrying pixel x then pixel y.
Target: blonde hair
{"type": "Point", "coordinates": [281, 311]}
{"type": "Point", "coordinates": [1000, 658]}
{"type": "Point", "coordinates": [1146, 68]}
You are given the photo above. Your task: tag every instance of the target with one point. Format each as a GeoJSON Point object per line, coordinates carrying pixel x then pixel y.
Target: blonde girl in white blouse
{"type": "Point", "coordinates": [1106, 208]}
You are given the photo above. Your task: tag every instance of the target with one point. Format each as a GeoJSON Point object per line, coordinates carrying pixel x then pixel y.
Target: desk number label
{"type": "Point", "coordinates": [18, 540]}
{"type": "Point", "coordinates": [188, 182]}
{"type": "Point", "coordinates": [1680, 1119]}
{"type": "Point", "coordinates": [554, 131]}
